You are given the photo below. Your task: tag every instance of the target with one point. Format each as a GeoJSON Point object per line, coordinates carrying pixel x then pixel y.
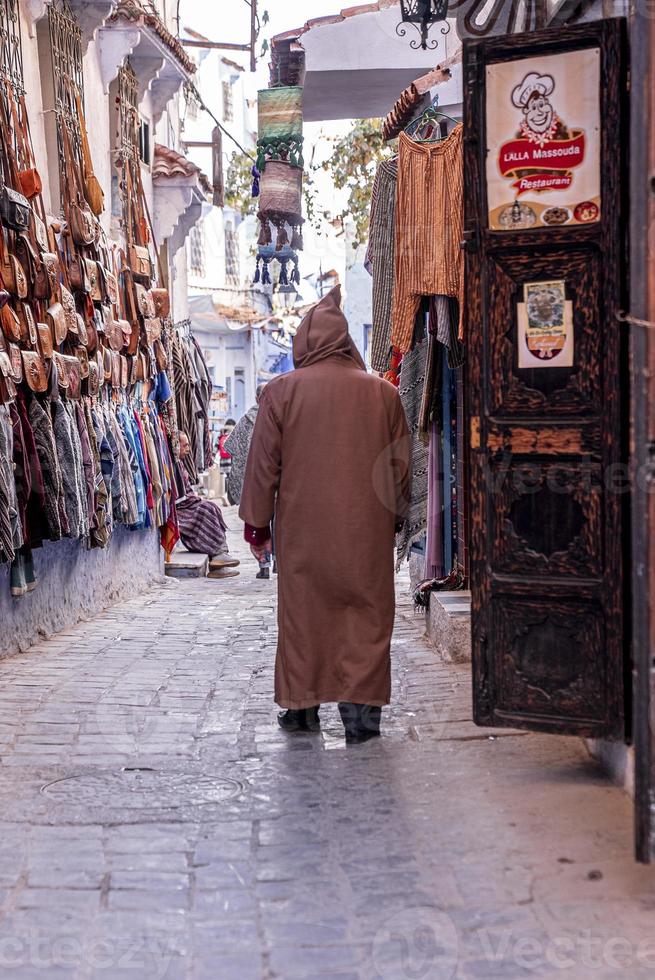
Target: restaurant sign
{"type": "Point", "coordinates": [543, 140]}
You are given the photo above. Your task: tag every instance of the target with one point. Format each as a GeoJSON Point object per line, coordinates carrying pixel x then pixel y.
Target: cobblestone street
{"type": "Point", "coordinates": [156, 823]}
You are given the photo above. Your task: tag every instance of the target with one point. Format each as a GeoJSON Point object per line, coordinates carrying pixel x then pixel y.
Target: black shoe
{"type": "Point", "coordinates": [361, 721]}
{"type": "Point", "coordinates": [263, 573]}
{"type": "Point", "coordinates": [304, 720]}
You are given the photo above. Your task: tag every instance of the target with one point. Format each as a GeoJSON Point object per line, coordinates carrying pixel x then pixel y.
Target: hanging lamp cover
{"type": "Point", "coordinates": [279, 125]}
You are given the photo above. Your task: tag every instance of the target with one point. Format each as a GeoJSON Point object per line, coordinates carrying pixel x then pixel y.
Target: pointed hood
{"type": "Point", "coordinates": [324, 333]}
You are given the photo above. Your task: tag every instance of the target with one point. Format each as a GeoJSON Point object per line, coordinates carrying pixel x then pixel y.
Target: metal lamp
{"type": "Point", "coordinates": [422, 13]}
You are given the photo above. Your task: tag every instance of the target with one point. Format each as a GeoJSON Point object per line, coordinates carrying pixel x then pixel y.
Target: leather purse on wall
{"type": "Point", "coordinates": [40, 231]}
{"type": "Point", "coordinates": [92, 189]}
{"type": "Point", "coordinates": [68, 303]}
{"type": "Point", "coordinates": [144, 300]}
{"type": "Point", "coordinates": [15, 211]}
{"type": "Point", "coordinates": [16, 362]}
{"type": "Point", "coordinates": [56, 317]}
{"type": "Point", "coordinates": [32, 263]}
{"type": "Point", "coordinates": [53, 271]}
{"type": "Point", "coordinates": [162, 301]}
{"type": "Point", "coordinates": [10, 321]}
{"type": "Point", "coordinates": [93, 279]}
{"type": "Point", "coordinates": [125, 374]}
{"type": "Point", "coordinates": [7, 385]}
{"type": "Point", "coordinates": [34, 370]}
{"type": "Point", "coordinates": [28, 325]}
{"type": "Point", "coordinates": [12, 273]}
{"type": "Point", "coordinates": [153, 329]}
{"type": "Point", "coordinates": [138, 259]}
{"type": "Point", "coordinates": [62, 373]}
{"type": "Point", "coordinates": [83, 357]}
{"type": "Point", "coordinates": [29, 178]}
{"type": "Point", "coordinates": [81, 220]}
{"type": "Point", "coordinates": [107, 363]}
{"type": "Point", "coordinates": [74, 376]}
{"type": "Point", "coordinates": [109, 283]}
{"type": "Point", "coordinates": [45, 339]}
{"type": "Point", "coordinates": [161, 358]}
{"type": "Point", "coordinates": [82, 333]}
{"type": "Point", "coordinates": [94, 378]}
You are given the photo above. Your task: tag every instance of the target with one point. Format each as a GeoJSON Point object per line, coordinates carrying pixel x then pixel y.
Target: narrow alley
{"type": "Point", "coordinates": [157, 824]}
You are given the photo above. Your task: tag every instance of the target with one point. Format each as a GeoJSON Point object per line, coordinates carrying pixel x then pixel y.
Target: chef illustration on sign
{"type": "Point", "coordinates": [541, 122]}
{"type": "Point", "coordinates": [544, 151]}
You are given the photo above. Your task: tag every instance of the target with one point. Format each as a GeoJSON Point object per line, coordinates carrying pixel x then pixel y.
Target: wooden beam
{"type": "Point", "coordinates": [209, 45]}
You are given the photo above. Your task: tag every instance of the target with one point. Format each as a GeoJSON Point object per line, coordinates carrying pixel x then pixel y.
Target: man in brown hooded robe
{"type": "Point", "coordinates": [330, 455]}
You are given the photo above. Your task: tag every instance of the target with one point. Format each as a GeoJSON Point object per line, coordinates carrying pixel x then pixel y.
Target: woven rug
{"type": "Point", "coordinates": [412, 381]}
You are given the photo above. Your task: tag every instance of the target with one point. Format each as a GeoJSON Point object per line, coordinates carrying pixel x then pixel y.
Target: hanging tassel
{"type": "Point", "coordinates": [266, 278]}
{"type": "Point", "coordinates": [264, 233]}
{"type": "Point", "coordinates": [295, 275]}
{"type": "Point", "coordinates": [282, 238]}
{"type": "Point", "coordinates": [257, 272]}
{"type": "Point", "coordinates": [256, 174]}
{"type": "Point", "coordinates": [296, 241]}
{"type": "Point", "coordinates": [284, 281]}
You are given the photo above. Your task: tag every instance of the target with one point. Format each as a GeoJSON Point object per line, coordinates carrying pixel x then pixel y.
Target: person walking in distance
{"type": "Point", "coordinates": [237, 445]}
{"type": "Point", "coordinates": [330, 453]}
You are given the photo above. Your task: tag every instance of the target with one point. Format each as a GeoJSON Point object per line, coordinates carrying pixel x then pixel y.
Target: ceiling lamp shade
{"type": "Point", "coordinates": [422, 14]}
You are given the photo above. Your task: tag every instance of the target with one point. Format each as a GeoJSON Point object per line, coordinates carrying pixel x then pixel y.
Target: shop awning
{"type": "Point", "coordinates": [209, 315]}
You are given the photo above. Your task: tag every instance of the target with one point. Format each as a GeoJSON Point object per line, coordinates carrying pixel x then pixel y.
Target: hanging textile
{"type": "Point", "coordinates": [412, 381]}
{"type": "Point", "coordinates": [428, 230]}
{"type": "Point", "coordinates": [380, 256]}
{"type": "Point", "coordinates": [279, 128]}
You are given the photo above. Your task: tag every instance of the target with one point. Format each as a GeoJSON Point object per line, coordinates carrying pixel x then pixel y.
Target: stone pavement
{"type": "Point", "coordinates": [155, 823]}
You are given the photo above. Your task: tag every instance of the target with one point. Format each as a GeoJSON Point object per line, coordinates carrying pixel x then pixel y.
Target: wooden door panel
{"type": "Point", "coordinates": [547, 517]}
{"type": "Point", "coordinates": [535, 393]}
{"type": "Point", "coordinates": [545, 547]}
{"type": "Point", "coordinates": [551, 663]}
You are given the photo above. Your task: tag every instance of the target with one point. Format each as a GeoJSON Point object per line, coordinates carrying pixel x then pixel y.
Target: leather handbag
{"type": "Point", "coordinates": [82, 224]}
{"type": "Point", "coordinates": [62, 372]}
{"type": "Point", "coordinates": [162, 301]}
{"type": "Point", "coordinates": [34, 370]}
{"type": "Point", "coordinates": [10, 321]}
{"type": "Point", "coordinates": [56, 317]}
{"type": "Point", "coordinates": [16, 362]}
{"type": "Point", "coordinates": [12, 273]}
{"type": "Point", "coordinates": [125, 377]}
{"type": "Point", "coordinates": [94, 378]}
{"type": "Point", "coordinates": [82, 355]}
{"type": "Point", "coordinates": [109, 282]}
{"type": "Point", "coordinates": [7, 385]}
{"type": "Point", "coordinates": [32, 263]}
{"type": "Point", "coordinates": [144, 300]}
{"type": "Point", "coordinates": [81, 220]}
{"type": "Point", "coordinates": [29, 178]}
{"type": "Point", "coordinates": [52, 268]}
{"type": "Point", "coordinates": [93, 279]}
{"type": "Point", "coordinates": [93, 192]}
{"type": "Point", "coordinates": [90, 324]}
{"type": "Point", "coordinates": [161, 358]}
{"type": "Point", "coordinates": [40, 231]}
{"type": "Point", "coordinates": [82, 333]}
{"type": "Point", "coordinates": [115, 370]}
{"type": "Point", "coordinates": [114, 334]}
{"type": "Point", "coordinates": [28, 325]}
{"type": "Point", "coordinates": [15, 211]}
{"type": "Point", "coordinates": [45, 339]}
{"type": "Point", "coordinates": [74, 375]}
{"type": "Point", "coordinates": [153, 329]}
{"type": "Point", "coordinates": [107, 363]}
{"type": "Point", "coordinates": [68, 303]}
{"type": "Point", "coordinates": [138, 259]}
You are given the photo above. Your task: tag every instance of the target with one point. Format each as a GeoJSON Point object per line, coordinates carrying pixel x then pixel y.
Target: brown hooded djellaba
{"type": "Point", "coordinates": [330, 455]}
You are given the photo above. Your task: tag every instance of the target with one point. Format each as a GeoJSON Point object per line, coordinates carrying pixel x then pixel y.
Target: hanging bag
{"type": "Point", "coordinates": [29, 178]}
{"type": "Point", "coordinates": [79, 216]}
{"type": "Point", "coordinates": [93, 192]}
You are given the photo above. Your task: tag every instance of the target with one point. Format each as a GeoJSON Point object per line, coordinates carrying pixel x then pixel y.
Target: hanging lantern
{"type": "Point", "coordinates": [422, 13]}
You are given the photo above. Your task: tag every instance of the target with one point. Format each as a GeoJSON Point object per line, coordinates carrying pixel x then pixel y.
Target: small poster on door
{"type": "Point", "coordinates": [545, 326]}
{"type": "Point", "coordinates": [543, 141]}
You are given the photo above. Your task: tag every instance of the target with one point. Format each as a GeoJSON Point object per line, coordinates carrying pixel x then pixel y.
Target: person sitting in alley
{"type": "Point", "coordinates": [331, 453]}
{"type": "Point", "coordinates": [200, 522]}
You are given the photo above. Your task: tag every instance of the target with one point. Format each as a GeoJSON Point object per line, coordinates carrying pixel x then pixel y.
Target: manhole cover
{"type": "Point", "coordinates": [140, 789]}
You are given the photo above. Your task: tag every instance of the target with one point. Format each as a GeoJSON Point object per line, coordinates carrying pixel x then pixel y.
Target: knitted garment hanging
{"type": "Point", "coordinates": [279, 126]}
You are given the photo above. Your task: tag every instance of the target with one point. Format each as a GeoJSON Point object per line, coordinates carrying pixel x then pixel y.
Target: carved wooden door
{"type": "Point", "coordinates": [543, 159]}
